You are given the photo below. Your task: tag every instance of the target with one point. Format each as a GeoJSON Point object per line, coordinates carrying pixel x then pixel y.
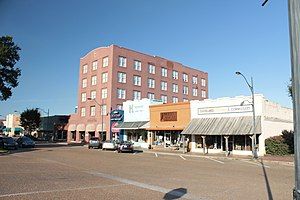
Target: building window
{"type": "Point", "coordinates": [175, 75]}
{"type": "Point", "coordinates": [95, 65]}
{"type": "Point", "coordinates": [136, 95]}
{"type": "Point", "coordinates": [122, 61]}
{"type": "Point", "coordinates": [105, 62]}
{"type": "Point", "coordinates": [164, 86]}
{"type": "Point", "coordinates": [137, 80]}
{"type": "Point", "coordinates": [175, 88]}
{"type": "Point", "coordinates": [93, 94]}
{"type": "Point", "coordinates": [203, 82]}
{"type": "Point", "coordinates": [175, 99]}
{"type": "Point", "coordinates": [185, 100]}
{"type": "Point", "coordinates": [84, 69]}
{"type": "Point", "coordinates": [151, 83]}
{"type": "Point", "coordinates": [185, 77]}
{"type": "Point", "coordinates": [82, 112]}
{"type": "Point", "coordinates": [104, 93]}
{"type": "Point", "coordinates": [164, 98]}
{"type": "Point", "coordinates": [121, 77]}
{"type": "Point", "coordinates": [151, 69]}
{"type": "Point", "coordinates": [121, 93]}
{"type": "Point", "coordinates": [104, 109]}
{"type": "Point", "coordinates": [119, 107]}
{"type": "Point", "coordinates": [83, 97]}
{"type": "Point", "coordinates": [104, 77]}
{"type": "Point", "coordinates": [185, 90]}
{"type": "Point", "coordinates": [195, 92]}
{"type": "Point", "coordinates": [94, 80]}
{"type": "Point", "coordinates": [93, 110]}
{"type": "Point", "coordinates": [164, 72]}
{"type": "Point", "coordinates": [195, 80]}
{"type": "Point", "coordinates": [150, 95]}
{"type": "Point", "coordinates": [84, 83]}
{"type": "Point", "coordinates": [203, 94]}
{"type": "Point", "coordinates": [137, 65]}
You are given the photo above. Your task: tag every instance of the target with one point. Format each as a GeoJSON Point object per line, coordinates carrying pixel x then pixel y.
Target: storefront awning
{"type": "Point", "coordinates": [133, 125]}
{"type": "Point", "coordinates": [80, 127]}
{"type": "Point", "coordinates": [223, 126]}
{"type": "Point", "coordinates": [72, 127]}
{"type": "Point", "coordinates": [99, 128]}
{"type": "Point", "coordinates": [90, 128]}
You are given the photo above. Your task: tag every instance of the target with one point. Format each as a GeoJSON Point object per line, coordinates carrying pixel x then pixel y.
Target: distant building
{"type": "Point", "coordinates": [111, 75]}
{"type": "Point", "coordinates": [13, 125]}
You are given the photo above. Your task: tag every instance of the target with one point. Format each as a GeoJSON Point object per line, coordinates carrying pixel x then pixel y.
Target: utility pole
{"type": "Point", "coordinates": [294, 26]}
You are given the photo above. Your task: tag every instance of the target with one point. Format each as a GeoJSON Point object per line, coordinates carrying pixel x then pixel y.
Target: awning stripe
{"type": "Point", "coordinates": [223, 126]}
{"type": "Point", "coordinates": [133, 125]}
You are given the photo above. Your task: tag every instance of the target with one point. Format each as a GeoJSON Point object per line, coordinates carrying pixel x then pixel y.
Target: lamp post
{"type": "Point", "coordinates": [253, 112]}
{"type": "Point", "coordinates": [101, 108]}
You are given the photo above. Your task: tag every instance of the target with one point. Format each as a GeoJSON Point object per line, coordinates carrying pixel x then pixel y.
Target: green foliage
{"type": "Point", "coordinates": [9, 55]}
{"type": "Point", "coordinates": [281, 145]}
{"type": "Point", "coordinates": [290, 89]}
{"type": "Point", "coordinates": [30, 119]}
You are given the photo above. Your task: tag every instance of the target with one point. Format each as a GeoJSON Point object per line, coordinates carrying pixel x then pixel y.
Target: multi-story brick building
{"type": "Point", "coordinates": [111, 75]}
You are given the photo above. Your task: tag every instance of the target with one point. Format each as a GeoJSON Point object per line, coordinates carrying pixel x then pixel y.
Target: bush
{"type": "Point", "coordinates": [288, 138]}
{"type": "Point", "coordinates": [277, 146]}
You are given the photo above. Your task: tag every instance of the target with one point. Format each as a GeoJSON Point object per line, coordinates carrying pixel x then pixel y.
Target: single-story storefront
{"type": "Point", "coordinates": [226, 124]}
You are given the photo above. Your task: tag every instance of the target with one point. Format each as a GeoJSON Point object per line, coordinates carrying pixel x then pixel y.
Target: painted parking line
{"type": "Point", "coordinates": [182, 157]}
{"type": "Point", "coordinates": [255, 163]}
{"type": "Point", "coordinates": [214, 160]}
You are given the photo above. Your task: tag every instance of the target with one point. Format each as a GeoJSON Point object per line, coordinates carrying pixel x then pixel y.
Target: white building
{"type": "Point", "coordinates": [13, 126]}
{"type": "Point", "coordinates": [217, 122]}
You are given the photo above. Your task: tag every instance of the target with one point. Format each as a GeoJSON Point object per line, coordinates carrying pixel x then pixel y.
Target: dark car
{"type": "Point", "coordinates": [94, 143]}
{"type": "Point", "coordinates": [1, 142]}
{"type": "Point", "coordinates": [9, 143]}
{"type": "Point", "coordinates": [25, 142]}
{"type": "Point", "coordinates": [125, 147]}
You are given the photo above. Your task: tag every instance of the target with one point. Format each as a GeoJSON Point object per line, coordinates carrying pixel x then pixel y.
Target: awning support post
{"type": "Point", "coordinates": [204, 143]}
{"type": "Point", "coordinates": [183, 143]}
{"type": "Point", "coordinates": [226, 145]}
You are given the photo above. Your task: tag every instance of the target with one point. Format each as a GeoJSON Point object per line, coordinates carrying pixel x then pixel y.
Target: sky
{"type": "Point", "coordinates": [219, 37]}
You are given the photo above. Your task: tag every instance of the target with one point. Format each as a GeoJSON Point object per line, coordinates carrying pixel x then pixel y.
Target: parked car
{"type": "Point", "coordinates": [1, 142]}
{"type": "Point", "coordinates": [25, 142]}
{"type": "Point", "coordinates": [9, 143]}
{"type": "Point", "coordinates": [125, 147]}
{"type": "Point", "coordinates": [109, 144]}
{"type": "Point", "coordinates": [94, 143]}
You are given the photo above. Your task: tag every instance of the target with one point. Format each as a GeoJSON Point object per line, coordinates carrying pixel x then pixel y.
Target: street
{"type": "Point", "coordinates": [80, 173]}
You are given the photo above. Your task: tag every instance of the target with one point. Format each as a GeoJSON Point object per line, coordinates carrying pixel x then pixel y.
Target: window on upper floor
{"type": "Point", "coordinates": [185, 100]}
{"type": "Point", "coordinates": [185, 77]}
{"type": "Point", "coordinates": [164, 86]}
{"type": "Point", "coordinates": [175, 99]}
{"type": "Point", "coordinates": [164, 98]}
{"type": "Point", "coordinates": [137, 80]}
{"type": "Point", "coordinates": [121, 77]}
{"type": "Point", "coordinates": [164, 72]}
{"type": "Point", "coordinates": [175, 74]}
{"type": "Point", "coordinates": [82, 112]}
{"type": "Point", "coordinates": [84, 83]}
{"type": "Point", "coordinates": [136, 95]}
{"type": "Point", "coordinates": [104, 93]}
{"type": "Point", "coordinates": [137, 65]}
{"type": "Point", "coordinates": [104, 77]}
{"type": "Point", "coordinates": [105, 62]}
{"type": "Point", "coordinates": [150, 95]}
{"type": "Point", "coordinates": [195, 92]}
{"type": "Point", "coordinates": [121, 93]}
{"type": "Point", "coordinates": [93, 110]}
{"type": "Point", "coordinates": [203, 94]}
{"type": "Point", "coordinates": [94, 80]}
{"type": "Point", "coordinates": [175, 88]}
{"type": "Point", "coordinates": [203, 82]}
{"type": "Point", "coordinates": [185, 90]}
{"type": "Point", "coordinates": [119, 107]}
{"type": "Point", "coordinates": [122, 61]}
{"type": "Point", "coordinates": [104, 109]}
{"type": "Point", "coordinates": [84, 69]}
{"type": "Point", "coordinates": [95, 65]}
{"type": "Point", "coordinates": [151, 83]}
{"type": "Point", "coordinates": [195, 80]}
{"type": "Point", "coordinates": [83, 97]}
{"type": "Point", "coordinates": [151, 69]}
{"type": "Point", "coordinates": [93, 94]}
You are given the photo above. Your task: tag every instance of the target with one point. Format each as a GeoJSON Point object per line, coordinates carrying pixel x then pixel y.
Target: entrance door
{"type": "Point", "coordinates": [167, 139]}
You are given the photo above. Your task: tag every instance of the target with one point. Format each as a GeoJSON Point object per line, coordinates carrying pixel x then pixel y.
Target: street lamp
{"type": "Point", "coordinates": [253, 111]}
{"type": "Point", "coordinates": [101, 108]}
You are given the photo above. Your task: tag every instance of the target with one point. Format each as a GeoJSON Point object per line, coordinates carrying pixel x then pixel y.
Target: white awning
{"type": "Point", "coordinates": [80, 127]}
{"type": "Point", "coordinates": [90, 128]}
{"type": "Point", "coordinates": [72, 127]}
{"type": "Point", "coordinates": [133, 125]}
{"type": "Point", "coordinates": [99, 127]}
{"type": "Point", "coordinates": [223, 126]}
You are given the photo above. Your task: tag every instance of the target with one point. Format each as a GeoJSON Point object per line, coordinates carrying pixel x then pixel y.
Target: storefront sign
{"type": "Point", "coordinates": [225, 109]}
{"type": "Point", "coordinates": [168, 116]}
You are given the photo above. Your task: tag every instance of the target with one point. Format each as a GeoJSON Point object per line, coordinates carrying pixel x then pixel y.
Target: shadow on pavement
{"type": "Point", "coordinates": [175, 194]}
{"type": "Point", "coordinates": [270, 196]}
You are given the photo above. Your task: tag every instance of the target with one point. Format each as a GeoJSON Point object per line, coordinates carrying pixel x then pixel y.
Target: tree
{"type": "Point", "coordinates": [30, 120]}
{"type": "Point", "coordinates": [9, 55]}
{"type": "Point", "coordinates": [290, 89]}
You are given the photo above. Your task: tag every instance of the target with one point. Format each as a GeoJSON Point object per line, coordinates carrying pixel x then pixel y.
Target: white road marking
{"type": "Point", "coordinates": [254, 163]}
{"type": "Point", "coordinates": [134, 153]}
{"type": "Point", "coordinates": [61, 190]}
{"type": "Point", "coordinates": [215, 160]}
{"type": "Point", "coordinates": [156, 155]}
{"type": "Point", "coordinates": [182, 157]}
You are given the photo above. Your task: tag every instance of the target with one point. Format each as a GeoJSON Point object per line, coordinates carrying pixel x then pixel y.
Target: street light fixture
{"type": "Point", "coordinates": [101, 109]}
{"type": "Point", "coordinates": [253, 111]}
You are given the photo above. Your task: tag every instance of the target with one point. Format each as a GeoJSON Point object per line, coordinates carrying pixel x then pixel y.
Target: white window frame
{"type": "Point", "coordinates": [121, 93]}
{"type": "Point", "coordinates": [104, 93]}
{"type": "Point", "coordinates": [164, 98]}
{"type": "Point", "coordinates": [195, 80]}
{"type": "Point", "coordinates": [203, 93]}
{"type": "Point", "coordinates": [185, 77]}
{"type": "Point", "coordinates": [137, 95]}
{"type": "Point", "coordinates": [203, 82]}
{"type": "Point", "coordinates": [94, 80]}
{"type": "Point", "coordinates": [84, 83]}
{"type": "Point", "coordinates": [122, 61]}
{"type": "Point", "coordinates": [84, 69]}
{"type": "Point", "coordinates": [137, 80]}
{"type": "Point", "coordinates": [175, 74]}
{"type": "Point", "coordinates": [151, 95]}
{"type": "Point", "coordinates": [151, 83]}
{"type": "Point", "coordinates": [93, 94]}
{"type": "Point", "coordinates": [175, 99]}
{"type": "Point", "coordinates": [105, 62]}
{"type": "Point", "coordinates": [95, 65]}
{"type": "Point", "coordinates": [185, 90]}
{"type": "Point", "coordinates": [104, 77]}
{"type": "Point", "coordinates": [164, 86]}
{"type": "Point", "coordinates": [137, 65]}
{"type": "Point", "coordinates": [175, 88]}
{"type": "Point", "coordinates": [151, 69]}
{"type": "Point", "coordinates": [121, 77]}
{"type": "Point", "coordinates": [185, 100]}
{"type": "Point", "coordinates": [195, 92]}
{"type": "Point", "coordinates": [119, 107]}
{"type": "Point", "coordinates": [93, 111]}
{"type": "Point", "coordinates": [164, 72]}
{"type": "Point", "coordinates": [82, 112]}
{"type": "Point", "coordinates": [83, 97]}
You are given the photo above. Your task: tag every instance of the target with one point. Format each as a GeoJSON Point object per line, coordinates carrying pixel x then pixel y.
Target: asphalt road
{"type": "Point", "coordinates": [80, 173]}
